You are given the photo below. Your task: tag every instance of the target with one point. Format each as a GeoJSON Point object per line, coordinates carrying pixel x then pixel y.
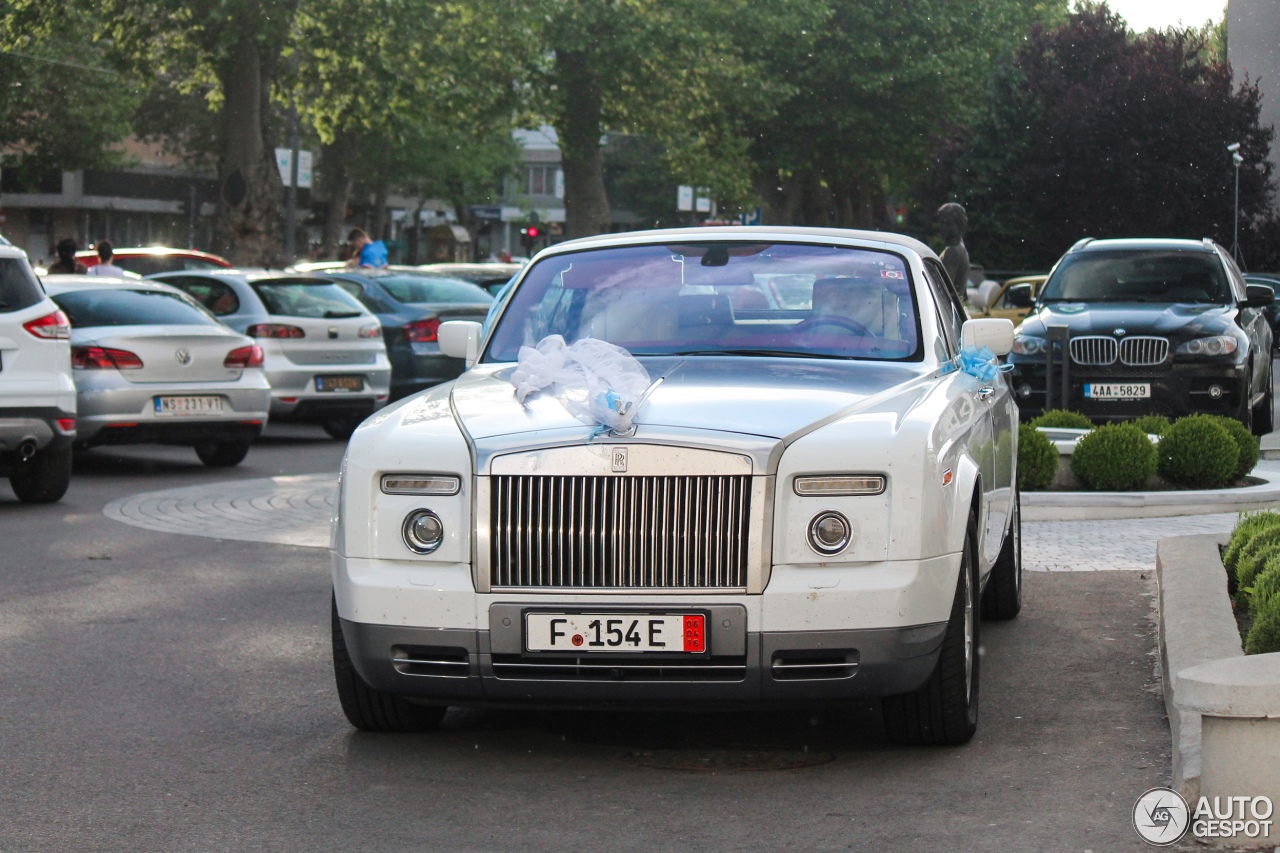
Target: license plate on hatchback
{"type": "Point", "coordinates": [188, 405]}
{"type": "Point", "coordinates": [1117, 390]}
{"type": "Point", "coordinates": [339, 383]}
{"type": "Point", "coordinates": [615, 632]}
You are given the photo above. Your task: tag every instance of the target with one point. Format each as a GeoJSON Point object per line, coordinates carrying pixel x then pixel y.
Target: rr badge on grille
{"type": "Point", "coordinates": [619, 460]}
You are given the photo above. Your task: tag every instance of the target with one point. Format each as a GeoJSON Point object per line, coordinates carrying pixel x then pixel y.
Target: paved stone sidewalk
{"type": "Point", "coordinates": [296, 511]}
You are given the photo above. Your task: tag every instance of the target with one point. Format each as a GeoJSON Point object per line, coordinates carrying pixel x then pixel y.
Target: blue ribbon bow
{"type": "Point", "coordinates": [980, 363]}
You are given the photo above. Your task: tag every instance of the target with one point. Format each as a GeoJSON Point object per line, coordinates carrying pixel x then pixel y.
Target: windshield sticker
{"type": "Point", "coordinates": [898, 274]}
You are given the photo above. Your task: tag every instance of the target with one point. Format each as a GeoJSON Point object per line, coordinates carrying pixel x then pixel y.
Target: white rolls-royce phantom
{"type": "Point", "coordinates": [814, 498]}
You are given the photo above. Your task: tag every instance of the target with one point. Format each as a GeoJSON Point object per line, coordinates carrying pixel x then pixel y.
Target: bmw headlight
{"type": "Point", "coordinates": [1029, 345]}
{"type": "Point", "coordinates": [1216, 345]}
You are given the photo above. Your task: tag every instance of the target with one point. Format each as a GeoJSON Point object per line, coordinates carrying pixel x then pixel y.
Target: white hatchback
{"type": "Point", "coordinates": [37, 395]}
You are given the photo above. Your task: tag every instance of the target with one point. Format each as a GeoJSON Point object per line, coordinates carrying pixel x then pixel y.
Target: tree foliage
{"type": "Point", "coordinates": [1092, 131]}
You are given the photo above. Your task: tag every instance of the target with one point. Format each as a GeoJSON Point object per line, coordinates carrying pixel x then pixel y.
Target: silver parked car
{"type": "Point", "coordinates": [324, 352]}
{"type": "Point", "coordinates": [152, 366]}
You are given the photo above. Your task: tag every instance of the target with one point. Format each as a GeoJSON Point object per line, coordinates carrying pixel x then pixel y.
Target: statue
{"type": "Point", "coordinates": [952, 221]}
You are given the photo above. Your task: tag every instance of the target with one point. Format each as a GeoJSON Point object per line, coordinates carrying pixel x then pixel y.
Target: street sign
{"type": "Point", "coordinates": [284, 162]}
{"type": "Point", "coordinates": [704, 205]}
{"type": "Point", "coordinates": [559, 183]}
{"type": "Point", "coordinates": [752, 218]}
{"type": "Point", "coordinates": [304, 169]}
{"type": "Point", "coordinates": [684, 198]}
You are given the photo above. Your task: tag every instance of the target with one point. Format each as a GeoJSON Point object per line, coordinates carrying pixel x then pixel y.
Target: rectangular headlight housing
{"type": "Point", "coordinates": [840, 484]}
{"type": "Point", "coordinates": [420, 484]}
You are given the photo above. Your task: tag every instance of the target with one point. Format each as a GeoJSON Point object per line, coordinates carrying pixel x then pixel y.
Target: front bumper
{"type": "Point", "coordinates": [748, 668]}
{"type": "Point", "coordinates": [1176, 390]}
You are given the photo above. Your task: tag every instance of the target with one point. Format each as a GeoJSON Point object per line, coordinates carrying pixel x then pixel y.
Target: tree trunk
{"type": "Point", "coordinates": [586, 204]}
{"type": "Point", "coordinates": [248, 220]}
{"type": "Point", "coordinates": [337, 178]}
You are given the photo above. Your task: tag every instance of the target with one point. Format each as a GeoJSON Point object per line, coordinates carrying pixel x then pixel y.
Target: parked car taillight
{"type": "Point", "coordinates": [55, 325]}
{"type": "Point", "coordinates": [422, 331]}
{"type": "Point", "coordinates": [103, 358]}
{"type": "Point", "coordinates": [373, 330]}
{"type": "Point", "coordinates": [274, 330]}
{"type": "Point", "coordinates": [250, 356]}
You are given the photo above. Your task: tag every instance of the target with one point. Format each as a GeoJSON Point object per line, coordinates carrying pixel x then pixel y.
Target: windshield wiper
{"type": "Point", "coordinates": [340, 315]}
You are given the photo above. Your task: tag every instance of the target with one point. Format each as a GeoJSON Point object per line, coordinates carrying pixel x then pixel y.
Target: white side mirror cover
{"type": "Point", "coordinates": [461, 339]}
{"type": "Point", "coordinates": [995, 333]}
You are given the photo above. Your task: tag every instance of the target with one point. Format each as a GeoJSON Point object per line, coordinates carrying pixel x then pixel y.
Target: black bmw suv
{"type": "Point", "coordinates": [1150, 326]}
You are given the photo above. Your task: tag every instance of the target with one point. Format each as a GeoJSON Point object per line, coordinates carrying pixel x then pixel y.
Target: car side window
{"type": "Point", "coordinates": [359, 293]}
{"type": "Point", "coordinates": [217, 296]}
{"type": "Point", "coordinates": [950, 315]}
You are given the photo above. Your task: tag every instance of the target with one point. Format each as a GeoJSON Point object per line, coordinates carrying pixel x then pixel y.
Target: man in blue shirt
{"type": "Point", "coordinates": [366, 252]}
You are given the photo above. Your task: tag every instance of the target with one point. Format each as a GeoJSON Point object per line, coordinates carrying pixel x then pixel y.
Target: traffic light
{"type": "Point", "coordinates": [529, 236]}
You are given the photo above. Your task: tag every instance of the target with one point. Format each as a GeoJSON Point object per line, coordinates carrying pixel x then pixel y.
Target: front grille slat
{"type": "Point", "coordinates": [1143, 351]}
{"type": "Point", "coordinates": [1093, 350]}
{"type": "Point", "coordinates": [601, 532]}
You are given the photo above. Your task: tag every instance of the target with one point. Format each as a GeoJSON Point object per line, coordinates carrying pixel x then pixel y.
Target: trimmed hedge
{"type": "Point", "coordinates": [1037, 459]}
{"type": "Point", "coordinates": [1253, 557]}
{"type": "Point", "coordinates": [1152, 424]}
{"type": "Point", "coordinates": [1264, 635]}
{"type": "Point", "coordinates": [1246, 528]}
{"type": "Point", "coordinates": [1246, 445]}
{"type": "Point", "coordinates": [1114, 457]}
{"type": "Point", "coordinates": [1198, 452]}
{"type": "Point", "coordinates": [1267, 583]}
{"type": "Point", "coordinates": [1062, 418]}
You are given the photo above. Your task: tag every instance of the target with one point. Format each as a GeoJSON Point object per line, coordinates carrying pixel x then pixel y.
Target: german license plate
{"type": "Point", "coordinates": [615, 632]}
{"type": "Point", "coordinates": [339, 383]}
{"type": "Point", "coordinates": [188, 405]}
{"type": "Point", "coordinates": [1117, 390]}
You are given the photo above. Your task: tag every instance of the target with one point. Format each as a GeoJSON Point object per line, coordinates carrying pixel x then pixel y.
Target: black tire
{"type": "Point", "coordinates": [1002, 599]}
{"type": "Point", "coordinates": [1264, 417]}
{"type": "Point", "coordinates": [44, 478]}
{"type": "Point", "coordinates": [1246, 408]}
{"type": "Point", "coordinates": [371, 710]}
{"type": "Point", "coordinates": [341, 428]}
{"type": "Point", "coordinates": [224, 455]}
{"type": "Point", "coordinates": [944, 710]}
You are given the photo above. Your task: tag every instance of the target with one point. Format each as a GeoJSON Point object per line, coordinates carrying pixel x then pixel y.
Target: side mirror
{"type": "Point", "coordinates": [996, 334]}
{"type": "Point", "coordinates": [1019, 296]}
{"type": "Point", "coordinates": [1259, 295]}
{"type": "Point", "coordinates": [461, 339]}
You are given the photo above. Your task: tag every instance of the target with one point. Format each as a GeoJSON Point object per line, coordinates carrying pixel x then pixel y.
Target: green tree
{"type": "Point", "coordinates": [876, 87]}
{"type": "Point", "coordinates": [1092, 131]}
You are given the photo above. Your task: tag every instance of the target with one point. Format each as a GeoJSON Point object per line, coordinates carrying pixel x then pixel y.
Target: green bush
{"type": "Point", "coordinates": [1037, 459]}
{"type": "Point", "coordinates": [1266, 585]}
{"type": "Point", "coordinates": [1152, 424]}
{"type": "Point", "coordinates": [1198, 452]}
{"type": "Point", "coordinates": [1264, 636]}
{"type": "Point", "coordinates": [1261, 548]}
{"type": "Point", "coordinates": [1246, 444]}
{"type": "Point", "coordinates": [1062, 418]}
{"type": "Point", "coordinates": [1114, 457]}
{"type": "Point", "coordinates": [1246, 528]}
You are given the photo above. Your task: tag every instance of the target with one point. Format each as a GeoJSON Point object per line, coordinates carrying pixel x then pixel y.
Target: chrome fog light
{"type": "Point", "coordinates": [850, 484]}
{"type": "Point", "coordinates": [828, 532]}
{"type": "Point", "coordinates": [1215, 391]}
{"type": "Point", "coordinates": [423, 531]}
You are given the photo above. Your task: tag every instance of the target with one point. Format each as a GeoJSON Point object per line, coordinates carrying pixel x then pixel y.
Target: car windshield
{"type": "Point", "coordinates": [302, 298]}
{"type": "Point", "coordinates": [1138, 275]}
{"type": "Point", "coordinates": [718, 298]}
{"type": "Point", "coordinates": [418, 288]}
{"type": "Point", "coordinates": [116, 307]}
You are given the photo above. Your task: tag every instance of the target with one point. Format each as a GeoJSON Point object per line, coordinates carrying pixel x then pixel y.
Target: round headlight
{"type": "Point", "coordinates": [423, 531]}
{"type": "Point", "coordinates": [828, 532]}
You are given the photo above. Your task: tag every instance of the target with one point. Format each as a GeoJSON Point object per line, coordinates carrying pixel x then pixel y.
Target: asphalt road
{"type": "Point", "coordinates": [172, 693]}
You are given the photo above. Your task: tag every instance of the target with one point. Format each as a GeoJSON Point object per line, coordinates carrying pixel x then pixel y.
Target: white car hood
{"type": "Point", "coordinates": [773, 397]}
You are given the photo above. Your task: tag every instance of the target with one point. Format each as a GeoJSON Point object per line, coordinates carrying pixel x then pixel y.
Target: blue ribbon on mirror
{"type": "Point", "coordinates": [977, 362]}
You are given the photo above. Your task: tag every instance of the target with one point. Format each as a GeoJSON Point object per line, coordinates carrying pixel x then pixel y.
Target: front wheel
{"type": "Point", "coordinates": [944, 710]}
{"type": "Point", "coordinates": [371, 710]}
{"type": "Point", "coordinates": [44, 478]}
{"type": "Point", "coordinates": [1002, 599]}
{"type": "Point", "coordinates": [223, 455]}
{"type": "Point", "coordinates": [1265, 415]}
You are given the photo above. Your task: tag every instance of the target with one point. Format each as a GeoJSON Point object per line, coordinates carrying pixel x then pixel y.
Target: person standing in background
{"type": "Point", "coordinates": [104, 266]}
{"type": "Point", "coordinates": [952, 222]}
{"type": "Point", "coordinates": [366, 252]}
{"type": "Point", "coordinates": [67, 263]}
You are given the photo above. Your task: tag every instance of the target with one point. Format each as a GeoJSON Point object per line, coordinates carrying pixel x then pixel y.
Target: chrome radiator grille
{"type": "Point", "coordinates": [1141, 351]}
{"type": "Point", "coordinates": [1093, 349]}
{"type": "Point", "coordinates": [600, 532]}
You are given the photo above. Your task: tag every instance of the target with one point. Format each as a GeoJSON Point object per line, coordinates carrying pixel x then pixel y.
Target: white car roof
{"type": "Point", "coordinates": [746, 233]}
{"type": "Point", "coordinates": [10, 251]}
{"type": "Point", "coordinates": [54, 284]}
